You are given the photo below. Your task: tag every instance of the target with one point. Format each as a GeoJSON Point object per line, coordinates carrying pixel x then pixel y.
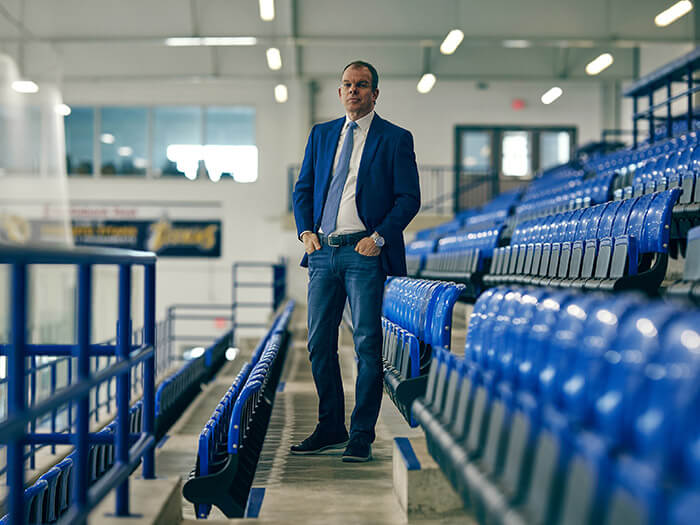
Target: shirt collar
{"type": "Point", "coordinates": [363, 123]}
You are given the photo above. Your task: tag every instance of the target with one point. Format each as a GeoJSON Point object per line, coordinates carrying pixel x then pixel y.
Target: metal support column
{"type": "Point", "coordinates": [16, 398]}
{"type": "Point", "coordinates": [82, 353]}
{"type": "Point", "coordinates": [123, 384]}
{"type": "Point", "coordinates": [149, 374]}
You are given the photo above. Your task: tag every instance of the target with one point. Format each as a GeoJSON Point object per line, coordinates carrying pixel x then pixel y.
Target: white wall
{"type": "Point", "coordinates": [432, 117]}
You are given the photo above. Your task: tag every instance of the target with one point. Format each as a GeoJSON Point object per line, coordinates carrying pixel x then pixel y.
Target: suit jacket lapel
{"type": "Point", "coordinates": [374, 137]}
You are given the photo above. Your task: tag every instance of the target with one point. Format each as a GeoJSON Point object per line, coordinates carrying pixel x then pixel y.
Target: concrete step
{"type": "Point", "coordinates": [151, 502]}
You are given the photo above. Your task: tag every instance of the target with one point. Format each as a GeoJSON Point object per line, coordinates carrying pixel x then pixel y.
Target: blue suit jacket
{"type": "Point", "coordinates": [387, 193]}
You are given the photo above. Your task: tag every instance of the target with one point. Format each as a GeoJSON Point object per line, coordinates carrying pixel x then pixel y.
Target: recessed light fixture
{"type": "Point", "coordinates": [62, 109]}
{"type": "Point", "coordinates": [426, 83]}
{"type": "Point", "coordinates": [188, 41]}
{"type": "Point", "coordinates": [281, 93]}
{"type": "Point", "coordinates": [267, 10]}
{"type": "Point", "coordinates": [597, 65]}
{"type": "Point", "coordinates": [107, 138]}
{"type": "Point", "coordinates": [25, 86]}
{"type": "Point", "coordinates": [673, 13]}
{"type": "Point", "coordinates": [451, 42]}
{"type": "Point", "coordinates": [517, 44]}
{"type": "Point", "coordinates": [274, 59]}
{"type": "Point", "coordinates": [551, 95]}
{"type": "Point", "coordinates": [125, 151]}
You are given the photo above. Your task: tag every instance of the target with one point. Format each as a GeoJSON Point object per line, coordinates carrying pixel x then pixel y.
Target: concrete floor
{"type": "Point", "coordinates": [305, 489]}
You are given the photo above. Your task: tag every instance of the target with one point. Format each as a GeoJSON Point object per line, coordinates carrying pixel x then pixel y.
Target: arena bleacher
{"type": "Point", "coordinates": [541, 365]}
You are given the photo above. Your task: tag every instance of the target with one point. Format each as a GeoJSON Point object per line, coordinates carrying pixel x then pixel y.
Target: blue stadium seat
{"type": "Point", "coordinates": [51, 506]}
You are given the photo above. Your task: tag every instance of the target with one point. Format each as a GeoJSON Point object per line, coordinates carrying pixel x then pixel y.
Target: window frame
{"type": "Point", "coordinates": [497, 132]}
{"type": "Point", "coordinates": [150, 173]}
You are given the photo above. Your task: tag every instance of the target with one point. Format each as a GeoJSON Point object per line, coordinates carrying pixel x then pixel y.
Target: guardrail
{"type": "Point", "coordinates": [130, 448]}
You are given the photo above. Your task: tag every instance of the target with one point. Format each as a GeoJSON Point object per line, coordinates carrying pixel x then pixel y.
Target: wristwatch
{"type": "Point", "coordinates": [378, 239]}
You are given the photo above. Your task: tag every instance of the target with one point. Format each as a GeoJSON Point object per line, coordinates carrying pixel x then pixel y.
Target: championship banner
{"type": "Point", "coordinates": [121, 224]}
{"type": "Point", "coordinates": [165, 238]}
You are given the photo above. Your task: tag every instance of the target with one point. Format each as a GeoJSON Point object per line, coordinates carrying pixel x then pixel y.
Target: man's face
{"type": "Point", "coordinates": [356, 91]}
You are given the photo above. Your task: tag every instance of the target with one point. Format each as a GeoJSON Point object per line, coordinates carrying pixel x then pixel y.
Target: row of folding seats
{"type": "Point", "coordinates": [416, 252]}
{"type": "Point", "coordinates": [678, 169]}
{"type": "Point", "coordinates": [421, 307]}
{"type": "Point", "coordinates": [462, 255]}
{"type": "Point", "coordinates": [171, 390]}
{"type": "Point", "coordinates": [213, 439]}
{"type": "Point", "coordinates": [51, 495]}
{"type": "Point", "coordinates": [221, 435]}
{"type": "Point", "coordinates": [628, 160]}
{"type": "Point", "coordinates": [612, 245]}
{"type": "Point", "coordinates": [401, 350]}
{"type": "Point", "coordinates": [417, 317]}
{"type": "Point", "coordinates": [570, 408]}
{"type": "Point", "coordinates": [554, 177]}
{"type": "Point", "coordinates": [576, 194]}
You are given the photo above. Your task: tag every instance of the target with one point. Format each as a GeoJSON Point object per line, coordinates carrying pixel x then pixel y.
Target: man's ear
{"type": "Point", "coordinates": [375, 94]}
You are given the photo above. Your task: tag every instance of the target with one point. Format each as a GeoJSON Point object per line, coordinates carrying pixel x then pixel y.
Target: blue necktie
{"type": "Point", "coordinates": [335, 191]}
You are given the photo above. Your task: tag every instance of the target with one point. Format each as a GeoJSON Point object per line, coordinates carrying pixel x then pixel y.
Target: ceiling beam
{"type": "Point", "coordinates": [200, 79]}
{"type": "Point", "coordinates": [375, 40]}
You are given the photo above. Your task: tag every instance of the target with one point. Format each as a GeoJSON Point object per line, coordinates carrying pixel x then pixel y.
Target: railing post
{"type": "Point", "coordinates": [149, 396]}
{"type": "Point", "coordinates": [16, 398]}
{"type": "Point", "coordinates": [32, 425]}
{"type": "Point", "coordinates": [53, 412]}
{"type": "Point", "coordinates": [82, 353]}
{"type": "Point", "coordinates": [123, 386]}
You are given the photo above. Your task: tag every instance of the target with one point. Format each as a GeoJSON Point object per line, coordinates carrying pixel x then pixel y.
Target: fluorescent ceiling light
{"type": "Point", "coordinates": [451, 42]}
{"type": "Point", "coordinates": [107, 138]}
{"type": "Point", "coordinates": [62, 109]}
{"type": "Point", "coordinates": [426, 83]}
{"type": "Point", "coordinates": [281, 94]}
{"type": "Point", "coordinates": [274, 59]}
{"type": "Point", "coordinates": [25, 86]}
{"type": "Point", "coordinates": [551, 95]}
{"type": "Point", "coordinates": [211, 41]}
{"type": "Point", "coordinates": [673, 13]}
{"type": "Point", "coordinates": [597, 65]}
{"type": "Point", "coordinates": [267, 10]}
{"type": "Point", "coordinates": [517, 44]}
{"type": "Point", "coordinates": [125, 151]}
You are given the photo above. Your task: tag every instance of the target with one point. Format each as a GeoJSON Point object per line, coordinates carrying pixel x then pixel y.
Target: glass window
{"type": "Point", "coordinates": [230, 126]}
{"type": "Point", "coordinates": [476, 151]}
{"type": "Point", "coordinates": [123, 140]}
{"type": "Point", "coordinates": [229, 148]}
{"type": "Point", "coordinates": [175, 126]}
{"type": "Point", "coordinates": [516, 158]}
{"type": "Point", "coordinates": [79, 127]}
{"type": "Point", "coordinates": [555, 148]}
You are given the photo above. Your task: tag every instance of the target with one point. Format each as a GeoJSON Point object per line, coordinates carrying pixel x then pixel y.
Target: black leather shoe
{"type": "Point", "coordinates": [358, 450]}
{"type": "Point", "coordinates": [318, 442]}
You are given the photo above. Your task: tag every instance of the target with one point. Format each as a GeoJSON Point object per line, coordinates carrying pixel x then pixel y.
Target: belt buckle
{"type": "Point", "coordinates": [332, 239]}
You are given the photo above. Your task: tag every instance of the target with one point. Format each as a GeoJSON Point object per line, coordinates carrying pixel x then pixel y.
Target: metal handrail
{"type": "Point", "coordinates": [13, 431]}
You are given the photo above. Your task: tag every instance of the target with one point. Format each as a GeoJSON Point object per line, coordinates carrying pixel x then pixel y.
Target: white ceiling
{"type": "Point", "coordinates": [108, 39]}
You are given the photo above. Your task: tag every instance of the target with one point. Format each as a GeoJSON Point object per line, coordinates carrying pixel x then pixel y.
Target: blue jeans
{"type": "Point", "coordinates": [334, 274]}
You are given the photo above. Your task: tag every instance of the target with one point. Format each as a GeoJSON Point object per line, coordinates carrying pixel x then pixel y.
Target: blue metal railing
{"type": "Point", "coordinates": [102, 396]}
{"type": "Point", "coordinates": [13, 431]}
{"type": "Point", "coordinates": [277, 283]}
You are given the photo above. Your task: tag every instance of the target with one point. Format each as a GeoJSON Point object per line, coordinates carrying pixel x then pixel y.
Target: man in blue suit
{"type": "Point", "coordinates": [356, 193]}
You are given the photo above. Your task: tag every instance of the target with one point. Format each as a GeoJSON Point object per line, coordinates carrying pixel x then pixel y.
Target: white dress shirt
{"type": "Point", "coordinates": [348, 220]}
